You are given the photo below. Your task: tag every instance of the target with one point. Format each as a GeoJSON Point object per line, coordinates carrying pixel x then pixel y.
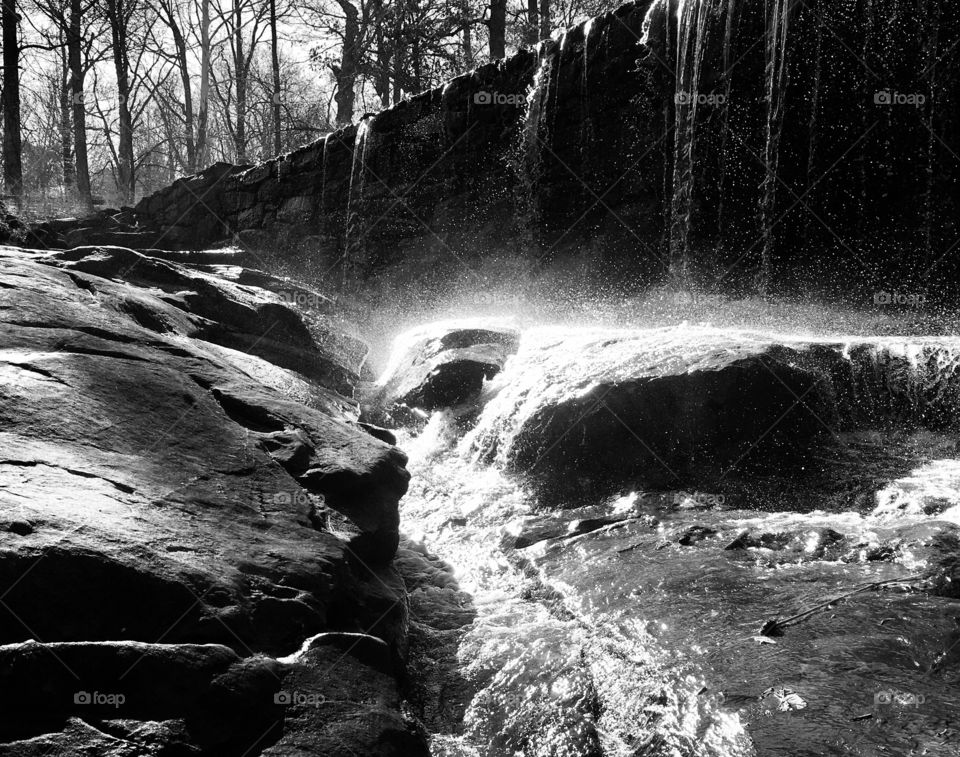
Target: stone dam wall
{"type": "Point", "coordinates": [736, 145]}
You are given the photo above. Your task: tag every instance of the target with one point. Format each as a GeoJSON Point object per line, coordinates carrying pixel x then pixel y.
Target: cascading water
{"type": "Point", "coordinates": [325, 164]}
{"type": "Point", "coordinates": [794, 127]}
{"type": "Point", "coordinates": [355, 242]}
{"type": "Point", "coordinates": [631, 624]}
{"type": "Point", "coordinates": [587, 133]}
{"type": "Point", "coordinates": [776, 85]}
{"type": "Point", "coordinates": [692, 31]}
{"type": "Point", "coordinates": [534, 135]}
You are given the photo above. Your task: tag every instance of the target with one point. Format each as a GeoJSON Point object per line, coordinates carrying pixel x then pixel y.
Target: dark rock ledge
{"type": "Point", "coordinates": [185, 498]}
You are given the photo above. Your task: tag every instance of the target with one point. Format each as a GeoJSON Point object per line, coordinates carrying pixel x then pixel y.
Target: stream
{"type": "Point", "coordinates": [630, 623]}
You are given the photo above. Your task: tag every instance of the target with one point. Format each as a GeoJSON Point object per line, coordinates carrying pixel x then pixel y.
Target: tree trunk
{"type": "Point", "coordinates": [275, 63]}
{"type": "Point", "coordinates": [126, 178]}
{"type": "Point", "coordinates": [66, 135]}
{"type": "Point", "coordinates": [498, 29]}
{"type": "Point", "coordinates": [74, 56]}
{"type": "Point", "coordinates": [399, 56]}
{"type": "Point", "coordinates": [203, 106]}
{"type": "Point", "coordinates": [12, 170]}
{"type": "Point", "coordinates": [183, 66]}
{"type": "Point", "coordinates": [468, 45]}
{"type": "Point", "coordinates": [417, 60]}
{"type": "Point", "coordinates": [545, 29]}
{"type": "Point", "coordinates": [533, 22]}
{"type": "Point", "coordinates": [346, 72]}
{"type": "Point", "coordinates": [381, 81]}
{"type": "Point", "coordinates": [239, 71]}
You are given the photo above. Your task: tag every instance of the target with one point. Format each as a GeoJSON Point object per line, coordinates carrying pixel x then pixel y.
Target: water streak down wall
{"type": "Point", "coordinates": [742, 143]}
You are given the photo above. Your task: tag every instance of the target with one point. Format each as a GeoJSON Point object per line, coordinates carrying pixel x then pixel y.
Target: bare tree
{"type": "Point", "coordinates": [12, 168]}
{"type": "Point", "coordinates": [67, 165]}
{"type": "Point", "coordinates": [203, 112]}
{"type": "Point", "coordinates": [275, 70]}
{"type": "Point", "coordinates": [71, 22]}
{"type": "Point", "coordinates": [245, 26]}
{"type": "Point", "coordinates": [349, 65]}
{"type": "Point", "coordinates": [497, 24]}
{"type": "Point", "coordinates": [119, 15]}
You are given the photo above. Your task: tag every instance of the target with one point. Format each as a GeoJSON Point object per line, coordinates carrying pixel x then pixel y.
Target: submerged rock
{"type": "Point", "coordinates": [438, 367]}
{"type": "Point", "coordinates": [161, 487]}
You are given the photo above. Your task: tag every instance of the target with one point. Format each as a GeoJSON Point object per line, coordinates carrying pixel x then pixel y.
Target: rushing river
{"type": "Point", "coordinates": [631, 624]}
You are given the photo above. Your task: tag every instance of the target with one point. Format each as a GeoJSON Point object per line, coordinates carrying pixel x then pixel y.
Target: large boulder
{"type": "Point", "coordinates": [159, 485]}
{"type": "Point", "coordinates": [697, 408]}
{"type": "Point", "coordinates": [436, 367]}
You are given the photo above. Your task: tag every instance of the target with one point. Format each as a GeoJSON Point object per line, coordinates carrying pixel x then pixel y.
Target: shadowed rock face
{"type": "Point", "coordinates": [158, 485]}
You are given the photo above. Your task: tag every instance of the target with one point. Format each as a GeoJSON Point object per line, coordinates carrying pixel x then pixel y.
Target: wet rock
{"type": "Point", "coordinates": [944, 562]}
{"type": "Point", "coordinates": [438, 368]}
{"type": "Point", "coordinates": [440, 614]}
{"type": "Point", "coordinates": [740, 541]}
{"type": "Point", "coordinates": [354, 711]}
{"type": "Point", "coordinates": [694, 534]}
{"type": "Point", "coordinates": [531, 530]}
{"type": "Point", "coordinates": [223, 701]}
{"type": "Point", "coordinates": [240, 314]}
{"type": "Point", "coordinates": [156, 486]}
{"type": "Point", "coordinates": [663, 409]}
{"type": "Point", "coordinates": [931, 489]}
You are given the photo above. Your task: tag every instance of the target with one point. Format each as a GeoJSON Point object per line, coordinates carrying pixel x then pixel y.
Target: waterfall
{"type": "Point", "coordinates": [692, 33]}
{"type": "Point", "coordinates": [587, 135]}
{"type": "Point", "coordinates": [776, 84]}
{"type": "Point", "coordinates": [534, 134]}
{"type": "Point", "coordinates": [930, 60]}
{"type": "Point", "coordinates": [901, 381]}
{"type": "Point", "coordinates": [324, 172]}
{"type": "Point", "coordinates": [356, 243]}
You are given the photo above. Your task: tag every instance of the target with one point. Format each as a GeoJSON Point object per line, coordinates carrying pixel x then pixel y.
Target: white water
{"type": "Point", "coordinates": [620, 642]}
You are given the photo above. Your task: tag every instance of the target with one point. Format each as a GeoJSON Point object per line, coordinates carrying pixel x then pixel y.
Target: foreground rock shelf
{"type": "Point", "coordinates": [185, 497]}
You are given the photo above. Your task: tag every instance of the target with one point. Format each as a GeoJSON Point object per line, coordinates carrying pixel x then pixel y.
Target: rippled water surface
{"type": "Point", "coordinates": [633, 626]}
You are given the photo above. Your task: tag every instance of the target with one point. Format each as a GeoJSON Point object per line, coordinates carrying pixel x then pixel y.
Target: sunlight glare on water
{"type": "Point", "coordinates": [621, 641]}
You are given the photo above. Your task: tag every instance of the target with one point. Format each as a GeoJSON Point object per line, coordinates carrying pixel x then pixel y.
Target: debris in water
{"type": "Point", "coordinates": [775, 626]}
{"type": "Point", "coordinates": [785, 699]}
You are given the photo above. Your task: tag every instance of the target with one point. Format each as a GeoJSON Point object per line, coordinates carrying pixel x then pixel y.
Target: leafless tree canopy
{"type": "Point", "coordinates": [107, 100]}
